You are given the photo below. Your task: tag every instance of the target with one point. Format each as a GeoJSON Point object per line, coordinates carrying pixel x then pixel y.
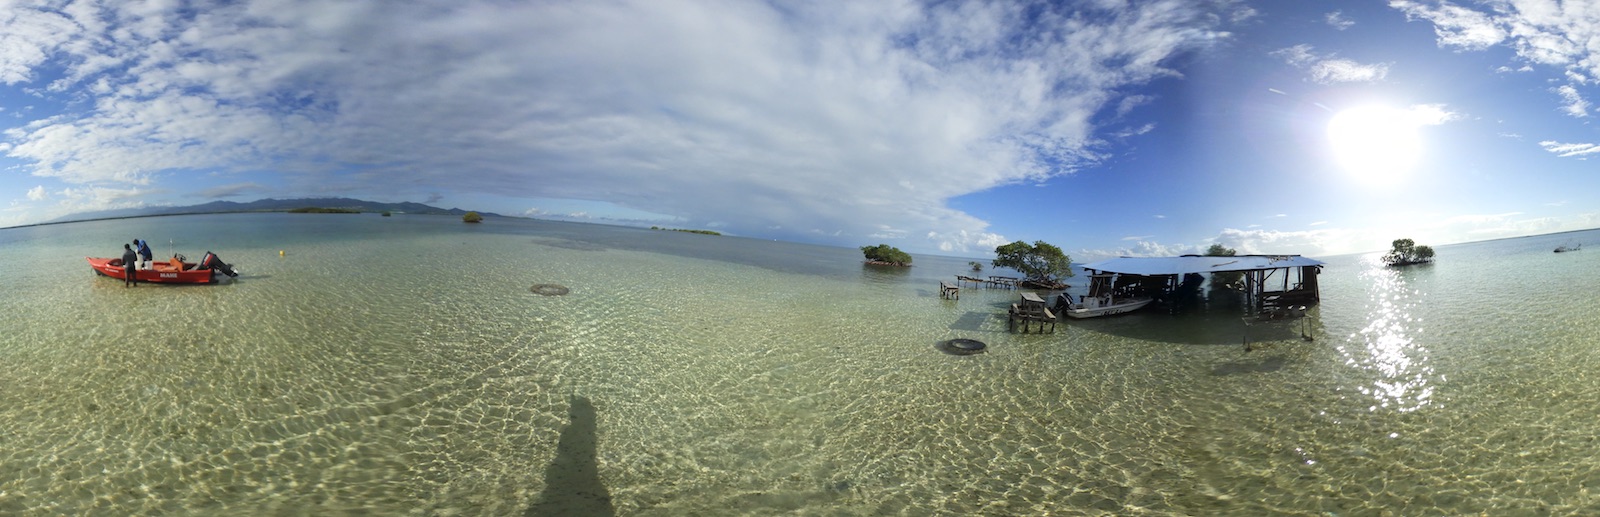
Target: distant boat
{"type": "Point", "coordinates": [1565, 248]}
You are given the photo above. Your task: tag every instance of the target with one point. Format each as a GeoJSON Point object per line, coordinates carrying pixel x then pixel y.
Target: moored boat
{"type": "Point", "coordinates": [171, 271]}
{"type": "Point", "coordinates": [1102, 300]}
{"type": "Point", "coordinates": [1091, 307]}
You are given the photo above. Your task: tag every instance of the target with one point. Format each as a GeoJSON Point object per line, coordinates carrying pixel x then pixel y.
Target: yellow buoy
{"type": "Point", "coordinates": [280, 253]}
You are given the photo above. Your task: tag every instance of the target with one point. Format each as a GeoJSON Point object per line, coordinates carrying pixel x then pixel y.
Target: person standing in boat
{"type": "Point", "coordinates": [144, 251]}
{"type": "Point", "coordinates": [130, 266]}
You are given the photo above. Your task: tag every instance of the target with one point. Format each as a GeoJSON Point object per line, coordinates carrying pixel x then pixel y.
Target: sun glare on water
{"type": "Point", "coordinates": [1375, 144]}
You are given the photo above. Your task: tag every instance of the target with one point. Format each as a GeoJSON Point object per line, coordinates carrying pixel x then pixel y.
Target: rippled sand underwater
{"type": "Point", "coordinates": [406, 365]}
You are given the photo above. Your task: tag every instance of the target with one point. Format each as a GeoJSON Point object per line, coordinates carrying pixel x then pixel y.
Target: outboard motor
{"type": "Point", "coordinates": [210, 261]}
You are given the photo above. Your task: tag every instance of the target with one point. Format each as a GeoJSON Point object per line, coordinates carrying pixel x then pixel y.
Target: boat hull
{"type": "Point", "coordinates": [159, 273]}
{"type": "Point", "coordinates": [1080, 312]}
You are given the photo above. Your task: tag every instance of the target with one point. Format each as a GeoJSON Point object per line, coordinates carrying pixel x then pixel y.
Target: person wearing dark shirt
{"type": "Point", "coordinates": [144, 251]}
{"type": "Point", "coordinates": [130, 266]}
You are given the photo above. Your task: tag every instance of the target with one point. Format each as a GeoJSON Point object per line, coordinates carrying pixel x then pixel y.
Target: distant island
{"type": "Point", "coordinates": [320, 210]}
{"type": "Point", "coordinates": [333, 205]}
{"type": "Point", "coordinates": [702, 232]}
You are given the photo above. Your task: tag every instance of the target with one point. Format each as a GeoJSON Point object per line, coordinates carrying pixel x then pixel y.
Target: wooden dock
{"type": "Point", "coordinates": [999, 282]}
{"type": "Point", "coordinates": [949, 292]}
{"type": "Point", "coordinates": [1030, 309]}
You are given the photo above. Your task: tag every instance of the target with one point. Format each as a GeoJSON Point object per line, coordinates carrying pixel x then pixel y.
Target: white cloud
{"type": "Point", "coordinates": [1134, 131]}
{"type": "Point", "coordinates": [1431, 229]}
{"type": "Point", "coordinates": [1475, 227]}
{"type": "Point", "coordinates": [1569, 150]}
{"type": "Point", "coordinates": [1320, 242]}
{"type": "Point", "coordinates": [816, 115]}
{"type": "Point", "coordinates": [1337, 20]}
{"type": "Point", "coordinates": [234, 190]}
{"type": "Point", "coordinates": [1574, 105]}
{"type": "Point", "coordinates": [37, 193]}
{"type": "Point", "coordinates": [1127, 104]}
{"type": "Point", "coordinates": [1346, 71]}
{"type": "Point", "coordinates": [1454, 25]}
{"type": "Point", "coordinates": [1327, 69]}
{"type": "Point", "coordinates": [90, 199]}
{"type": "Point", "coordinates": [1431, 114]}
{"type": "Point", "coordinates": [963, 242]}
{"type": "Point", "coordinates": [1142, 248]}
{"type": "Point", "coordinates": [1564, 35]}
{"type": "Point", "coordinates": [28, 38]}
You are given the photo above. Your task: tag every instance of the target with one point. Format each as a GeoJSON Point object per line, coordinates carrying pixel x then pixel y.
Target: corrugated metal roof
{"type": "Point", "coordinates": [1182, 265]}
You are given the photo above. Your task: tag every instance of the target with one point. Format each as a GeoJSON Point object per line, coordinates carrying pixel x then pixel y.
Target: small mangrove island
{"type": "Point", "coordinates": [1407, 252]}
{"type": "Point", "coordinates": [472, 217]}
{"type": "Point", "coordinates": [886, 255]}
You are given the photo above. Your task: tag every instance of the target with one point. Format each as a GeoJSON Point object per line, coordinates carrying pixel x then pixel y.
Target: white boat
{"type": "Point", "coordinates": [1101, 300]}
{"type": "Point", "coordinates": [1100, 306]}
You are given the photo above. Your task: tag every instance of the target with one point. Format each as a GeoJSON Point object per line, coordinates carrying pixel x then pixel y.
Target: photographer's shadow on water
{"type": "Point", "coordinates": [572, 481]}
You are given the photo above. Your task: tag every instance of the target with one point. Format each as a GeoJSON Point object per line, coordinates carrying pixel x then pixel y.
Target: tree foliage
{"type": "Point", "coordinates": [472, 217]}
{"type": "Point", "coordinates": [886, 253]}
{"type": "Point", "coordinates": [1407, 251]}
{"type": "Point", "coordinates": [1040, 261]}
{"type": "Point", "coordinates": [1223, 278]}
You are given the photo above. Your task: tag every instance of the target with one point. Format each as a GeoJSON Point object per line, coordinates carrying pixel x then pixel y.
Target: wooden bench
{"type": "Point", "coordinates": [948, 291]}
{"type": "Point", "coordinates": [1030, 309]}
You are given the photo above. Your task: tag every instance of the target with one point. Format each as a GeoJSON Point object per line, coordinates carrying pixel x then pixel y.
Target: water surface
{"type": "Point", "coordinates": [402, 365]}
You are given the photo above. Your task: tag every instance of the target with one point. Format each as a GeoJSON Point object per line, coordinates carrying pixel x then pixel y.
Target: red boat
{"type": "Point", "coordinates": [172, 271]}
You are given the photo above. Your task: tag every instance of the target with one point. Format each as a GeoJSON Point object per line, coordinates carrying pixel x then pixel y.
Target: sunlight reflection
{"type": "Point", "coordinates": [1386, 346]}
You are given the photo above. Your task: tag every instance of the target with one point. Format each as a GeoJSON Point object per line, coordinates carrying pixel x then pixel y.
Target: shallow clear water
{"type": "Point", "coordinates": [403, 365]}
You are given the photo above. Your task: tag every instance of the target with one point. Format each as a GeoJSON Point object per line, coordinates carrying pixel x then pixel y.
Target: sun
{"type": "Point", "coordinates": [1376, 144]}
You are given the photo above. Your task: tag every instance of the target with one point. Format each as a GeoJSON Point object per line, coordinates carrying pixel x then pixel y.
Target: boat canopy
{"type": "Point", "coordinates": [1155, 266]}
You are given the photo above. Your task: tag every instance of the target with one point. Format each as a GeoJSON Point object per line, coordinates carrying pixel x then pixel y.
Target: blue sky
{"type": "Point", "coordinates": [1104, 127]}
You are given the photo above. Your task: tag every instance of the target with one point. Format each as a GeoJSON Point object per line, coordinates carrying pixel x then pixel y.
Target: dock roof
{"type": "Point", "coordinates": [1152, 266]}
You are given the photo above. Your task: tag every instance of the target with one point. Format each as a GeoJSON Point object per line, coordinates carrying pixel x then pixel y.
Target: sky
{"type": "Point", "coordinates": [1104, 127]}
